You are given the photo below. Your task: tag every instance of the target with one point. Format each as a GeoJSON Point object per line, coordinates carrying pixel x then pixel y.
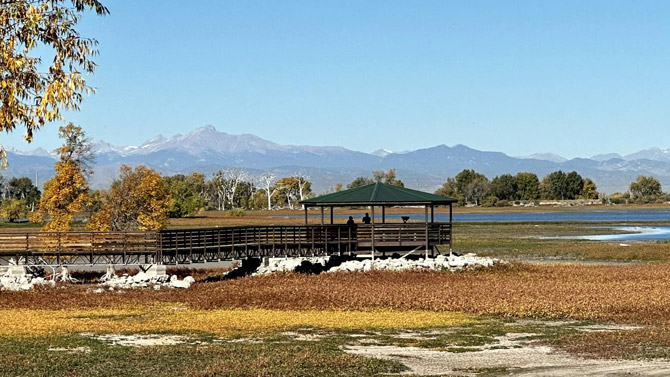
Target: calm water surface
{"type": "Point", "coordinates": [591, 215]}
{"type": "Point", "coordinates": [637, 233]}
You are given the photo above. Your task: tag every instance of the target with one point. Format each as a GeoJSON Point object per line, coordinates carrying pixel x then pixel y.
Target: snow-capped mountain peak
{"type": "Point", "coordinates": [381, 152]}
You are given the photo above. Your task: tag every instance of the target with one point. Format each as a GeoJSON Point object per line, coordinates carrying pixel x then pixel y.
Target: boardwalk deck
{"type": "Point", "coordinates": [181, 246]}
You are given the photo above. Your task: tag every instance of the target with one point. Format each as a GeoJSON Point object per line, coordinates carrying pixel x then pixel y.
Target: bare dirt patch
{"type": "Point", "coordinates": [525, 360]}
{"type": "Point", "coordinates": [138, 340]}
{"type": "Point", "coordinates": [70, 350]}
{"type": "Point", "coordinates": [515, 353]}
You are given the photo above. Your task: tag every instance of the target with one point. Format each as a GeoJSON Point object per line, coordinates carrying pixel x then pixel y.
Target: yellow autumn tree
{"type": "Point", "coordinates": [64, 195]}
{"type": "Point", "coordinates": [43, 59]}
{"type": "Point", "coordinates": [67, 192]}
{"type": "Point", "coordinates": [138, 200]}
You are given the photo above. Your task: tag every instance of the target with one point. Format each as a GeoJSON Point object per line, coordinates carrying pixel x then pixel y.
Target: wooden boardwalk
{"type": "Point", "coordinates": [185, 246]}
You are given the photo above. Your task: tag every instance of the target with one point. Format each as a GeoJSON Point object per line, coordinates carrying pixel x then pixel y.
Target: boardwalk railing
{"type": "Point", "coordinates": [201, 245]}
{"type": "Point", "coordinates": [216, 244]}
{"type": "Point", "coordinates": [79, 247]}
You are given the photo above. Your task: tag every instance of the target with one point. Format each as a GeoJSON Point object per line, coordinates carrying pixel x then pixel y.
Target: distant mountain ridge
{"type": "Point", "coordinates": [207, 150]}
{"type": "Point", "coordinates": [545, 156]}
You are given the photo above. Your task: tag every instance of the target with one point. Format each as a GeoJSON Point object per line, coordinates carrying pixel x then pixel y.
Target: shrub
{"type": "Point", "coordinates": [489, 201]}
{"type": "Point", "coordinates": [502, 203]}
{"type": "Point", "coordinates": [237, 212]}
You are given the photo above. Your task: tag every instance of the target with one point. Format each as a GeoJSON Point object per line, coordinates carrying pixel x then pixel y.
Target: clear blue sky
{"type": "Point", "coordinates": [575, 78]}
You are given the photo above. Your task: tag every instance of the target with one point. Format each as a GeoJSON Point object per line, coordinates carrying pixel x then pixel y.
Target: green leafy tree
{"type": "Point", "coordinates": [360, 181]}
{"type": "Point", "coordinates": [24, 189]}
{"type": "Point", "coordinates": [504, 187]}
{"type": "Point", "coordinates": [244, 197]}
{"type": "Point", "coordinates": [555, 186]}
{"type": "Point", "coordinates": [187, 194]}
{"type": "Point", "coordinates": [450, 190]}
{"type": "Point", "coordinates": [527, 186]}
{"type": "Point", "coordinates": [259, 200]}
{"type": "Point", "coordinates": [12, 209]}
{"type": "Point", "coordinates": [574, 183]}
{"type": "Point", "coordinates": [472, 185]}
{"type": "Point", "coordinates": [645, 188]}
{"type": "Point", "coordinates": [34, 91]}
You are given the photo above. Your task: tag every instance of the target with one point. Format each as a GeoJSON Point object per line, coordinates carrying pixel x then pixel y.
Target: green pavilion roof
{"type": "Point", "coordinates": [378, 194]}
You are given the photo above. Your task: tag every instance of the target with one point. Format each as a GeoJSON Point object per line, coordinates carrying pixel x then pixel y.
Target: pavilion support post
{"type": "Point", "coordinates": [331, 215]}
{"type": "Point", "coordinates": [321, 215]}
{"type": "Point", "coordinates": [373, 233]}
{"type": "Point", "coordinates": [451, 229]}
{"type": "Point", "coordinates": [432, 213]}
{"type": "Point", "coordinates": [305, 215]}
{"type": "Point", "coordinates": [383, 215]}
{"type": "Point", "coordinates": [426, 234]}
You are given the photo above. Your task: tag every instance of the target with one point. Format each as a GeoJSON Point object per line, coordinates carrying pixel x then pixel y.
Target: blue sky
{"type": "Point", "coordinates": [571, 77]}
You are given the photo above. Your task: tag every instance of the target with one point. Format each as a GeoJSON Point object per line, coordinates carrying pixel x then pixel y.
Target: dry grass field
{"type": "Point", "coordinates": [553, 293]}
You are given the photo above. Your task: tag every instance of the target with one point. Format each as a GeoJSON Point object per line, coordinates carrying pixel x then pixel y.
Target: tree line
{"type": "Point", "coordinates": [471, 187]}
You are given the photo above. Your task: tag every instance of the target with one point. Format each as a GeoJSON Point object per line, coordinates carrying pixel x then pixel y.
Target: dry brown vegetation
{"type": "Point", "coordinates": [637, 293]}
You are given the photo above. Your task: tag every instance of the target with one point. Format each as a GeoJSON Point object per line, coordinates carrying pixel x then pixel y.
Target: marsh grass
{"type": "Point", "coordinates": [31, 357]}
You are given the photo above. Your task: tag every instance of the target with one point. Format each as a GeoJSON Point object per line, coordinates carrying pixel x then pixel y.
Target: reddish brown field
{"type": "Point", "coordinates": [631, 294]}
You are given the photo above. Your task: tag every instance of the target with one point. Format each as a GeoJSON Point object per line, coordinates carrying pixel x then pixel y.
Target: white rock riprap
{"type": "Point", "coordinates": [24, 282]}
{"type": "Point", "coordinates": [451, 262]}
{"type": "Point", "coordinates": [441, 262]}
{"type": "Point", "coordinates": [287, 264]}
{"type": "Point", "coordinates": [144, 280]}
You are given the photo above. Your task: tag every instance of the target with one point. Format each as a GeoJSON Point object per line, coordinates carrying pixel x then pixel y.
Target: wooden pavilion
{"type": "Point", "coordinates": [383, 236]}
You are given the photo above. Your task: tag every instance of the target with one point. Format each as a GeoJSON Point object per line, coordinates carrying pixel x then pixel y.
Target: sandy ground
{"type": "Point", "coordinates": [137, 340]}
{"type": "Point", "coordinates": [527, 360]}
{"type": "Point", "coordinates": [514, 354]}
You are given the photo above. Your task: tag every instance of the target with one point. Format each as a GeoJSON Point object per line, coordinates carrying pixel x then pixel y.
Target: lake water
{"type": "Point", "coordinates": [638, 233]}
{"type": "Point", "coordinates": [591, 215]}
{"type": "Point", "coordinates": [642, 233]}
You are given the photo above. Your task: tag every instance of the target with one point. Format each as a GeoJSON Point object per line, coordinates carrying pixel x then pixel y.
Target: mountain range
{"type": "Point", "coordinates": [207, 150]}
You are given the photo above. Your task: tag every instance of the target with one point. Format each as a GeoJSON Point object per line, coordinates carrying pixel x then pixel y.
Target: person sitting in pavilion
{"type": "Point", "coordinates": [351, 222]}
{"type": "Point", "coordinates": [366, 218]}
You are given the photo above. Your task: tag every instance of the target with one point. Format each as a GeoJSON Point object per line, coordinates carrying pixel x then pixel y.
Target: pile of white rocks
{"type": "Point", "coordinates": [14, 278]}
{"type": "Point", "coordinates": [144, 280]}
{"type": "Point", "coordinates": [290, 264]}
{"type": "Point", "coordinates": [450, 262]}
